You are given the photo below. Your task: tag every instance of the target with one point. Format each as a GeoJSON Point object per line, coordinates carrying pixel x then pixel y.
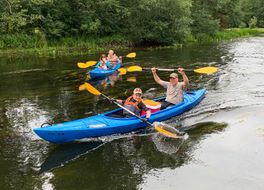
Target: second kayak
{"type": "Point", "coordinates": [100, 73]}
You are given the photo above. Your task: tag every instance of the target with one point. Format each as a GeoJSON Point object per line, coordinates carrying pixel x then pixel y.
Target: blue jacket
{"type": "Point", "coordinates": [108, 64]}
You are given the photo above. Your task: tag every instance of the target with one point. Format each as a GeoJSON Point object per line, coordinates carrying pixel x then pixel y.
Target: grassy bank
{"type": "Point", "coordinates": [228, 34]}
{"type": "Point", "coordinates": [14, 45]}
{"type": "Point", "coordinates": [17, 45]}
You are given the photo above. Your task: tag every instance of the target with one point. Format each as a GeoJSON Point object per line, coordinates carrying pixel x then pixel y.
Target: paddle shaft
{"type": "Point", "coordinates": [115, 102]}
{"type": "Point", "coordinates": [160, 69]}
{"type": "Point", "coordinates": [94, 91]}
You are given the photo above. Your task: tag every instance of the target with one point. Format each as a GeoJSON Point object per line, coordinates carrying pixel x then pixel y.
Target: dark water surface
{"type": "Point", "coordinates": [225, 148]}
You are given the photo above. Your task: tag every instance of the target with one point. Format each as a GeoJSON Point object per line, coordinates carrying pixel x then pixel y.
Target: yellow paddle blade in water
{"type": "Point", "coordinates": [91, 89]}
{"type": "Point", "coordinates": [82, 65]}
{"type": "Point", "coordinates": [134, 69]}
{"type": "Point", "coordinates": [131, 55]}
{"type": "Point", "coordinates": [132, 79]}
{"type": "Point", "coordinates": [82, 87]}
{"type": "Point", "coordinates": [122, 71]}
{"type": "Point", "coordinates": [90, 63]}
{"type": "Point", "coordinates": [206, 70]}
{"type": "Point", "coordinates": [165, 132]}
{"type": "Point", "coordinates": [86, 65]}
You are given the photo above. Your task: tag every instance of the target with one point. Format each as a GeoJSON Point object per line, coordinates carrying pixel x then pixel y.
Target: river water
{"type": "Point", "coordinates": [225, 144]}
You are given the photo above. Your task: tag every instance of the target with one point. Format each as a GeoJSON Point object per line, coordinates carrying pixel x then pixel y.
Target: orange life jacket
{"type": "Point", "coordinates": [129, 102]}
{"type": "Point", "coordinates": [132, 106]}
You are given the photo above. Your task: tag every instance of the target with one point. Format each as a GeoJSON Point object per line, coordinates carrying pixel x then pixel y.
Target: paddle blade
{"type": "Point", "coordinates": [206, 70]}
{"type": "Point", "coordinates": [90, 63]}
{"type": "Point", "coordinates": [132, 79]}
{"type": "Point", "coordinates": [91, 89]}
{"type": "Point", "coordinates": [82, 65]}
{"type": "Point", "coordinates": [134, 69]}
{"type": "Point", "coordinates": [122, 71]}
{"type": "Point", "coordinates": [131, 55]}
{"type": "Point", "coordinates": [82, 87]}
{"type": "Point", "coordinates": [167, 130]}
{"type": "Point", "coordinates": [165, 133]}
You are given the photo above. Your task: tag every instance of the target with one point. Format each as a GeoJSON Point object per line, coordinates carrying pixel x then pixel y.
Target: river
{"type": "Point", "coordinates": [225, 144]}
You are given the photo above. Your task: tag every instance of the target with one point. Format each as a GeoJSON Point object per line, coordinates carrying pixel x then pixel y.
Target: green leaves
{"type": "Point", "coordinates": [160, 22]}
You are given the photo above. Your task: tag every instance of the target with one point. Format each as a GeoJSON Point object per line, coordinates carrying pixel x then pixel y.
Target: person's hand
{"type": "Point", "coordinates": [154, 70]}
{"type": "Point", "coordinates": [120, 58]}
{"type": "Point", "coordinates": [181, 70]}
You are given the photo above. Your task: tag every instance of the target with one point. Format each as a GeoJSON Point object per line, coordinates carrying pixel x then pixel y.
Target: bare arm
{"type": "Point", "coordinates": [144, 107]}
{"type": "Point", "coordinates": [148, 114]}
{"type": "Point", "coordinates": [185, 78]}
{"type": "Point", "coordinates": [156, 77]}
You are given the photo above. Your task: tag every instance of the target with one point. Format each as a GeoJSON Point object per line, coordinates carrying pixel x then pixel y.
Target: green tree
{"type": "Point", "coordinates": [251, 8]}
{"type": "Point", "coordinates": [160, 21]}
{"type": "Point", "coordinates": [253, 22]}
{"type": "Point", "coordinates": [203, 21]}
{"type": "Point", "coordinates": [13, 17]}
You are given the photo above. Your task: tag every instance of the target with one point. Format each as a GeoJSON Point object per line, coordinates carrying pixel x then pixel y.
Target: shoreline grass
{"type": "Point", "coordinates": [84, 46]}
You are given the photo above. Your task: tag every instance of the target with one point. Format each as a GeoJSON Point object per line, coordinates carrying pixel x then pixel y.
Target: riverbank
{"type": "Point", "coordinates": [229, 34]}
{"type": "Point", "coordinates": [18, 45]}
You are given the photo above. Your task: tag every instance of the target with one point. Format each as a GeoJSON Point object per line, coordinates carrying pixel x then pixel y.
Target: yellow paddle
{"type": "Point", "coordinates": [131, 55]}
{"type": "Point", "coordinates": [203, 70]}
{"type": "Point", "coordinates": [86, 65]}
{"type": "Point", "coordinates": [122, 71]}
{"type": "Point", "coordinates": [82, 87]}
{"type": "Point", "coordinates": [163, 131]}
{"type": "Point", "coordinates": [132, 79]}
{"type": "Point", "coordinates": [157, 126]}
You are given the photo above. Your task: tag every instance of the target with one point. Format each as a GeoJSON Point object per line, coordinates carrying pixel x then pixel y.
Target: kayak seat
{"type": "Point", "coordinates": [154, 106]}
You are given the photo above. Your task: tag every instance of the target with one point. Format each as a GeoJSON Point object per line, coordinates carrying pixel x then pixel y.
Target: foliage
{"type": "Point", "coordinates": [160, 21]}
{"type": "Point", "coordinates": [41, 23]}
{"type": "Point", "coordinates": [253, 22]}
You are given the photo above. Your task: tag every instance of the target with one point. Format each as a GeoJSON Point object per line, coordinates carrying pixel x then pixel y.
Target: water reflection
{"type": "Point", "coordinates": [132, 79]}
{"type": "Point", "coordinates": [126, 160]}
{"type": "Point", "coordinates": [108, 81]}
{"type": "Point", "coordinates": [63, 154]}
{"type": "Point", "coordinates": [235, 152]}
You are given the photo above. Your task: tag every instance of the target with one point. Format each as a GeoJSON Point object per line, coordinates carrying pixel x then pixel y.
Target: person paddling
{"type": "Point", "coordinates": [103, 64]}
{"type": "Point", "coordinates": [174, 94]}
{"type": "Point", "coordinates": [112, 57]}
{"type": "Point", "coordinates": [134, 103]}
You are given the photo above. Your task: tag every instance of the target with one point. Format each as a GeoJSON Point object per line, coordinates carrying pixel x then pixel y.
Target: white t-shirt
{"type": "Point", "coordinates": [174, 94]}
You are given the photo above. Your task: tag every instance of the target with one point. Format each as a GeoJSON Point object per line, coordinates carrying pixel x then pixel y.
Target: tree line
{"type": "Point", "coordinates": [139, 21]}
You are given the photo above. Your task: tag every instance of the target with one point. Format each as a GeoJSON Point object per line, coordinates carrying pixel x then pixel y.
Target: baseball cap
{"type": "Point", "coordinates": [174, 75]}
{"type": "Point", "coordinates": [137, 91]}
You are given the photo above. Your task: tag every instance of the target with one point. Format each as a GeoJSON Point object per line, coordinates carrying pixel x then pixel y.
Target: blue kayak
{"type": "Point", "coordinates": [111, 123]}
{"type": "Point", "coordinates": [100, 73]}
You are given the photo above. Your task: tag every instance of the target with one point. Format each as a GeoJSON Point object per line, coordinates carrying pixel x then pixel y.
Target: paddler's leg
{"type": "Point", "coordinates": [165, 104]}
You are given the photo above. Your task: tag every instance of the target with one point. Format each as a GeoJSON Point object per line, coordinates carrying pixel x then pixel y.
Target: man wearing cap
{"type": "Point", "coordinates": [174, 94]}
{"type": "Point", "coordinates": [134, 103]}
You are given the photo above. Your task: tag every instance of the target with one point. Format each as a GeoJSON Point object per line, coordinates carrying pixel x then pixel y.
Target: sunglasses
{"type": "Point", "coordinates": [172, 77]}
